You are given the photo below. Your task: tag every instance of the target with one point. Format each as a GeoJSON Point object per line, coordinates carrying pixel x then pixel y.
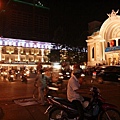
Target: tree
{"type": "Point", "coordinates": [54, 56]}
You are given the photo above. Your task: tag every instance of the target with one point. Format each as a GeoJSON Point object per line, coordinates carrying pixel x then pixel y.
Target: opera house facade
{"type": "Point", "coordinates": [104, 45]}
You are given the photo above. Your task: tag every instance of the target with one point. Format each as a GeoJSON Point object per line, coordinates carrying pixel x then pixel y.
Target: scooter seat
{"type": "Point", "coordinates": [64, 102]}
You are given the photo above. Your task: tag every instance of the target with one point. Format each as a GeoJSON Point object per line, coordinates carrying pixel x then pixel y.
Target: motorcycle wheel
{"type": "Point", "coordinates": [58, 114]}
{"type": "Point", "coordinates": [25, 80]}
{"type": "Point", "coordinates": [109, 114]}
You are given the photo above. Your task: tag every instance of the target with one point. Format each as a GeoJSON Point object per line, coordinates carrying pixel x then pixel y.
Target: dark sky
{"type": "Point", "coordinates": [69, 18]}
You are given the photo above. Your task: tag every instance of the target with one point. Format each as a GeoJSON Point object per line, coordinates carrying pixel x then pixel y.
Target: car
{"type": "Point", "coordinates": [110, 73]}
{"type": "Point", "coordinates": [97, 70]}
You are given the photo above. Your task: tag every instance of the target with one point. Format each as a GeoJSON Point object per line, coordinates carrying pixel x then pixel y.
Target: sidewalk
{"type": "Point", "coordinates": [11, 91]}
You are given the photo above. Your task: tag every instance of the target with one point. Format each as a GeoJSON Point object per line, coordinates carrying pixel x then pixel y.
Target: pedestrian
{"type": "Point", "coordinates": [41, 86]}
{"type": "Point", "coordinates": [74, 91]}
{"type": "Point", "coordinates": [39, 66]}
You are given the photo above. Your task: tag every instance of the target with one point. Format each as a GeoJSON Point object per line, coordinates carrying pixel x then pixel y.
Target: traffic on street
{"type": "Point", "coordinates": [17, 102]}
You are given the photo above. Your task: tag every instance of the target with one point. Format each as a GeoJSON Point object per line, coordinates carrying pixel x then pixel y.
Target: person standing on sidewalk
{"type": "Point", "coordinates": [39, 67]}
{"type": "Point", "coordinates": [40, 84]}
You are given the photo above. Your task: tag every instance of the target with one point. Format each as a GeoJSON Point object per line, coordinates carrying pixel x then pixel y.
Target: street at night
{"type": "Point", "coordinates": [17, 90]}
{"type": "Point", "coordinates": [46, 42]}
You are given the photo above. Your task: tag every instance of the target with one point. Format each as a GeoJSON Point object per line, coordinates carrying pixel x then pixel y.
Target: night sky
{"type": "Point", "coordinates": [69, 18]}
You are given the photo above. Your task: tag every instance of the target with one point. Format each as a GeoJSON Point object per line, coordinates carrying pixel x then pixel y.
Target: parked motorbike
{"type": "Point", "coordinates": [95, 108]}
{"type": "Point", "coordinates": [23, 78]}
{"type": "Point", "coordinates": [11, 77]}
{"type": "Point", "coordinates": [3, 75]}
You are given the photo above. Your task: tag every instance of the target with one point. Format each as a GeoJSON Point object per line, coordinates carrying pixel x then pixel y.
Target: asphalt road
{"type": "Point", "coordinates": [11, 91]}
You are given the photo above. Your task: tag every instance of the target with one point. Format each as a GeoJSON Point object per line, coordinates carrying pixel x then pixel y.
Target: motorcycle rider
{"type": "Point", "coordinates": [73, 91]}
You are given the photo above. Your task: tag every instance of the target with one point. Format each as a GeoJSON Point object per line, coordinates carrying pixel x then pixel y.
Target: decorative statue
{"type": "Point", "coordinates": [113, 13]}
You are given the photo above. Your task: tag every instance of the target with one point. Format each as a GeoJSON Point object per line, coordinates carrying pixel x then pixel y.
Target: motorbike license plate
{"type": "Point", "coordinates": [118, 78]}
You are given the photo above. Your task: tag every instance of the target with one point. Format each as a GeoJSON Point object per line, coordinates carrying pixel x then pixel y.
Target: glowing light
{"type": "Point", "coordinates": [0, 42]}
{"type": "Point", "coordinates": [112, 43]}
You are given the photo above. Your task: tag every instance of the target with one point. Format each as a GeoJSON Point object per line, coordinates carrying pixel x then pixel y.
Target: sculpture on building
{"type": "Point", "coordinates": [113, 13]}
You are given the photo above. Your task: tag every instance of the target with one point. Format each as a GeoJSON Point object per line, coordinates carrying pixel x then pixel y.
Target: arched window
{"type": "Point", "coordinates": [118, 42]}
{"type": "Point", "coordinates": [93, 52]}
{"type": "Point", "coordinates": [112, 43]}
{"type": "Point", "coordinates": [108, 44]}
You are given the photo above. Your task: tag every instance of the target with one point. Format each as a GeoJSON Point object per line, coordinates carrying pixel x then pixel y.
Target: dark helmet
{"type": "Point", "coordinates": [76, 66]}
{"type": "Point", "coordinates": [77, 71]}
{"type": "Point", "coordinates": [95, 90]}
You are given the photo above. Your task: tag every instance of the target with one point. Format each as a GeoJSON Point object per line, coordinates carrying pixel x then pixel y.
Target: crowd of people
{"type": "Point", "coordinates": [73, 87]}
{"type": "Point", "coordinates": [41, 83]}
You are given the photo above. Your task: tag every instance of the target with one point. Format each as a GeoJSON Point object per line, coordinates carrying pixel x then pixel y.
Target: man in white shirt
{"type": "Point", "coordinates": [73, 91]}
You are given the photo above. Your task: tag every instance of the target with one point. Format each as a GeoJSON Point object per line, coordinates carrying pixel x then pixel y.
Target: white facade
{"type": "Point", "coordinates": [104, 45]}
{"type": "Point", "coordinates": [18, 52]}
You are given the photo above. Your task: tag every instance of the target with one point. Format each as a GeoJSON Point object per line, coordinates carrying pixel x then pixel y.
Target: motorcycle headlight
{"type": "Point", "coordinates": [11, 75]}
{"type": "Point", "coordinates": [5, 73]}
{"type": "Point", "coordinates": [67, 73]}
{"type": "Point", "coordinates": [60, 74]}
{"type": "Point", "coordinates": [27, 72]}
{"type": "Point", "coordinates": [53, 88]}
{"type": "Point", "coordinates": [82, 75]}
{"type": "Point", "coordinates": [61, 77]}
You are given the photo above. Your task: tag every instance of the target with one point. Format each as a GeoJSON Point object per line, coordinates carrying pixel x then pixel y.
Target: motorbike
{"type": "Point", "coordinates": [64, 75]}
{"type": "Point", "coordinates": [11, 77]}
{"type": "Point", "coordinates": [95, 108]}
{"type": "Point", "coordinates": [23, 78]}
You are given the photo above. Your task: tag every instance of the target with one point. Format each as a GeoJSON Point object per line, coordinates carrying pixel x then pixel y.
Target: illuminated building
{"type": "Point", "coordinates": [17, 52]}
{"type": "Point", "coordinates": [104, 45]}
{"type": "Point", "coordinates": [22, 26]}
{"type": "Point", "coordinates": [23, 20]}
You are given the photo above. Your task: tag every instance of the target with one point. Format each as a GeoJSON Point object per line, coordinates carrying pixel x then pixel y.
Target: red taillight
{"type": "Point", "coordinates": [94, 73]}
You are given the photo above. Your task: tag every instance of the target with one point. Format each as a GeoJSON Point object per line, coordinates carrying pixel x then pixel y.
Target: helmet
{"type": "Point", "coordinates": [95, 90]}
{"type": "Point", "coordinates": [76, 66]}
{"type": "Point", "coordinates": [77, 71]}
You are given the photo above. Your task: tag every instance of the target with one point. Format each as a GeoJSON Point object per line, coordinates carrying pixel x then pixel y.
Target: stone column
{"type": "Point", "coordinates": [116, 41]}
{"type": "Point", "coordinates": [88, 53]}
{"type": "Point", "coordinates": [95, 51]}
{"type": "Point", "coordinates": [0, 53]}
{"type": "Point", "coordinates": [42, 54]}
{"type": "Point", "coordinates": [19, 53]}
{"type": "Point", "coordinates": [103, 48]}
